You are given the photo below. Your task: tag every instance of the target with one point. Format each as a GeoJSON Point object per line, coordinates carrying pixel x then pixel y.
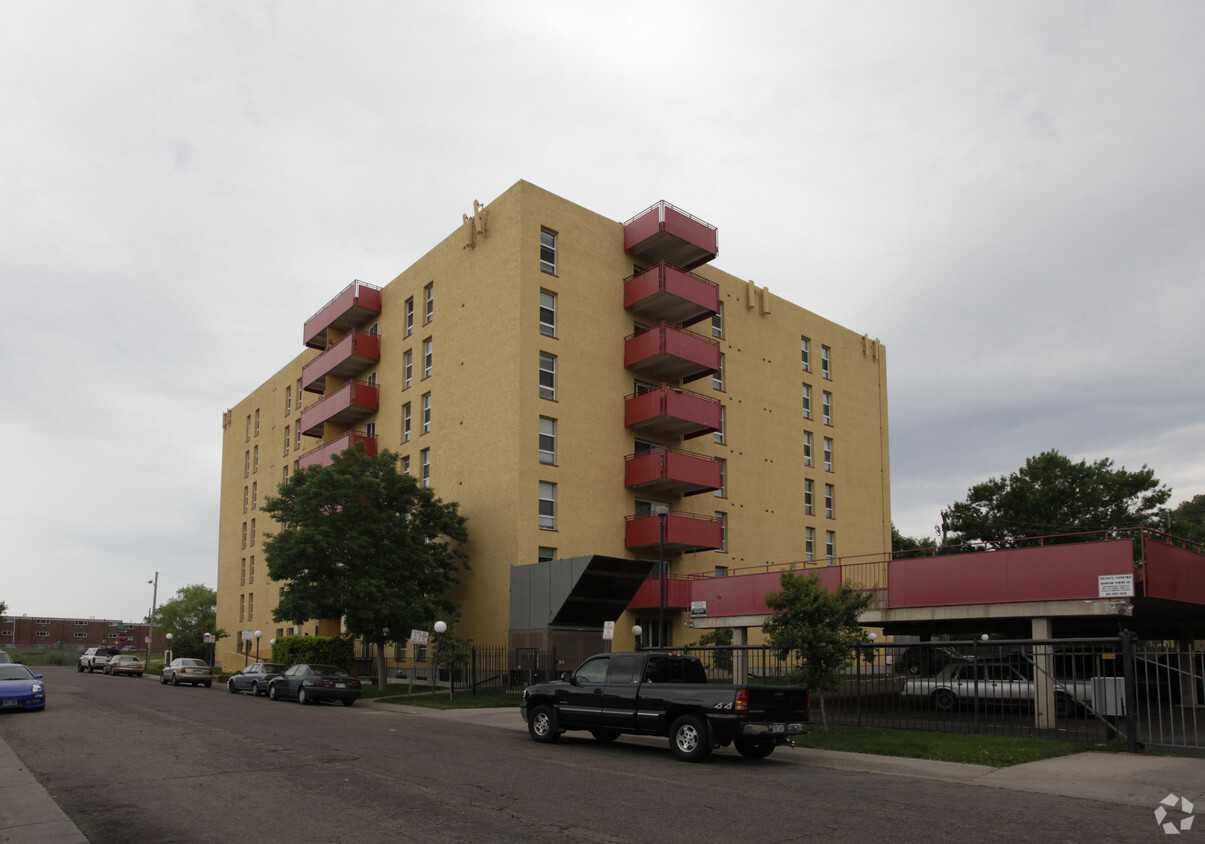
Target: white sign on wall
{"type": "Point", "coordinates": [698, 609]}
{"type": "Point", "coordinates": [1116, 585]}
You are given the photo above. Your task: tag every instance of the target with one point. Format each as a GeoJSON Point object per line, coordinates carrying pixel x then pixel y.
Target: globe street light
{"type": "Point", "coordinates": [258, 633]}
{"type": "Point", "coordinates": [167, 654]}
{"type": "Point", "coordinates": [636, 631]}
{"type": "Point", "coordinates": [440, 627]}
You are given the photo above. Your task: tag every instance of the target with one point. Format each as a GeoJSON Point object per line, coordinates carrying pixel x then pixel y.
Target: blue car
{"type": "Point", "coordinates": [20, 688]}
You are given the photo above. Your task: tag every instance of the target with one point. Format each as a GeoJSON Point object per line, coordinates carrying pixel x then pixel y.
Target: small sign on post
{"type": "Point", "coordinates": [608, 630]}
{"type": "Point", "coordinates": [1115, 585]}
{"type": "Point", "coordinates": [419, 637]}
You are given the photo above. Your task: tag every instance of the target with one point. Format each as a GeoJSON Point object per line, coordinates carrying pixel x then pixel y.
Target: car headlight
{"type": "Point", "coordinates": [37, 688]}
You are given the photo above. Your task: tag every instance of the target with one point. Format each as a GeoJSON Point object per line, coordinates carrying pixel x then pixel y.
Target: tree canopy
{"type": "Point", "coordinates": [363, 542]}
{"type": "Point", "coordinates": [905, 546]}
{"type": "Point", "coordinates": [1187, 520]}
{"type": "Point", "coordinates": [819, 628]}
{"type": "Point", "coordinates": [188, 616]}
{"type": "Point", "coordinates": [1051, 494]}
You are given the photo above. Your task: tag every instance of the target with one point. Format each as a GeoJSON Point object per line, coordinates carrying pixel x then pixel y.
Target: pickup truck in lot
{"type": "Point", "coordinates": [95, 659]}
{"type": "Point", "coordinates": [663, 694]}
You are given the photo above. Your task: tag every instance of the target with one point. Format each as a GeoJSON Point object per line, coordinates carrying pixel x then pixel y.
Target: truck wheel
{"type": "Point", "coordinates": [539, 724]}
{"type": "Point", "coordinates": [688, 739]}
{"type": "Point", "coordinates": [79, 666]}
{"type": "Point", "coordinates": [945, 700]}
{"type": "Point", "coordinates": [1065, 706]}
{"type": "Point", "coordinates": [605, 736]}
{"type": "Point", "coordinates": [754, 749]}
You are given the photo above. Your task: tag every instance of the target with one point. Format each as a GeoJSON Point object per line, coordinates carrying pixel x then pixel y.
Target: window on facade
{"type": "Point", "coordinates": [242, 607]}
{"type": "Point", "coordinates": [297, 438]}
{"type": "Point", "coordinates": [248, 427]}
{"type": "Point", "coordinates": [807, 401]}
{"type": "Point", "coordinates": [255, 459]}
{"type": "Point", "coordinates": [721, 492]}
{"type": "Point", "coordinates": [547, 376]}
{"type": "Point", "coordinates": [805, 352]}
{"type": "Point", "coordinates": [253, 532]}
{"type": "Point", "coordinates": [721, 571]}
{"type": "Point", "coordinates": [809, 502]}
{"type": "Point", "coordinates": [288, 439]}
{"type": "Point", "coordinates": [548, 251]}
{"type": "Point", "coordinates": [408, 368]}
{"type": "Point", "coordinates": [257, 422]}
{"type": "Point", "coordinates": [830, 545]}
{"type": "Point", "coordinates": [254, 495]}
{"type": "Point", "coordinates": [370, 429]}
{"type": "Point", "coordinates": [717, 377]}
{"type": "Point", "coordinates": [827, 407]}
{"type": "Point", "coordinates": [250, 606]}
{"type": "Point", "coordinates": [426, 413]}
{"type": "Point", "coordinates": [809, 544]}
{"type": "Point", "coordinates": [244, 534]}
{"type": "Point", "coordinates": [251, 570]}
{"type": "Point", "coordinates": [246, 464]}
{"type": "Point", "coordinates": [547, 440]}
{"type": "Point", "coordinates": [371, 380]}
{"type": "Point", "coordinates": [717, 323]}
{"type": "Point", "coordinates": [718, 436]}
{"type": "Point", "coordinates": [828, 501]}
{"type": "Point", "coordinates": [246, 498]}
{"type": "Point", "coordinates": [409, 316]}
{"type": "Point", "coordinates": [289, 400]}
{"type": "Point", "coordinates": [243, 576]}
{"type": "Point", "coordinates": [429, 298]}
{"type": "Point", "coordinates": [284, 474]}
{"type": "Point", "coordinates": [828, 454]}
{"type": "Point", "coordinates": [825, 362]}
{"type": "Point", "coordinates": [547, 506]}
{"type": "Point", "coordinates": [722, 518]}
{"type": "Point", "coordinates": [424, 460]}
{"type": "Point", "coordinates": [547, 313]}
{"type": "Point", "coordinates": [807, 448]}
{"type": "Point", "coordinates": [428, 357]}
{"type": "Point", "coordinates": [406, 422]}
{"type": "Point", "coordinates": [544, 554]}
{"type": "Point", "coordinates": [406, 464]}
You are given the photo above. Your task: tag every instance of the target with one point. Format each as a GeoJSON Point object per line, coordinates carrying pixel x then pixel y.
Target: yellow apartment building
{"type": "Point", "coordinates": [597, 398]}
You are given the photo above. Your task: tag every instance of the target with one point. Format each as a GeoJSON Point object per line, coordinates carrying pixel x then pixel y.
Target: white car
{"type": "Point", "coordinates": [994, 682]}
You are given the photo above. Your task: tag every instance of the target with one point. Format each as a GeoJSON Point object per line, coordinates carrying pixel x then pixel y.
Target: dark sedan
{"type": "Point", "coordinates": [255, 678]}
{"type": "Point", "coordinates": [310, 683]}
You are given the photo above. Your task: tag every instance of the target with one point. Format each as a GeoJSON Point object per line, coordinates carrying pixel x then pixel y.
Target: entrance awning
{"type": "Point", "coordinates": [574, 592]}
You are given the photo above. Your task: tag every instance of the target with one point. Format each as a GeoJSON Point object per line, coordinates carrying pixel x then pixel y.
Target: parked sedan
{"type": "Point", "coordinates": [311, 683]}
{"type": "Point", "coordinates": [124, 664]}
{"type": "Point", "coordinates": [997, 683]}
{"type": "Point", "coordinates": [20, 688]}
{"type": "Point", "coordinates": [186, 670]}
{"type": "Point", "coordinates": [254, 678]}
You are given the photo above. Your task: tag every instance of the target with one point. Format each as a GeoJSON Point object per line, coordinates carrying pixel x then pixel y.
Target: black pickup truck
{"type": "Point", "coordinates": [662, 694]}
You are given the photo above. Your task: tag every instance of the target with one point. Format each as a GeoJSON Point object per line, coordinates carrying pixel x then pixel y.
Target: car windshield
{"type": "Point", "coordinates": [15, 672]}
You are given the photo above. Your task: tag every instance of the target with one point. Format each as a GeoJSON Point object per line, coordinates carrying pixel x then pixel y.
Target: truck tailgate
{"type": "Point", "coordinates": [777, 703]}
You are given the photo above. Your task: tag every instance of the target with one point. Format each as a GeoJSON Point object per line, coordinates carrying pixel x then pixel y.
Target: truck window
{"type": "Point", "coordinates": [593, 671]}
{"type": "Point", "coordinates": [623, 669]}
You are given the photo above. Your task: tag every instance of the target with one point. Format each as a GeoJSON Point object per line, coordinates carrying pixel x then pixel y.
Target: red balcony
{"type": "Point", "coordinates": [671, 471]}
{"type": "Point", "coordinates": [354, 304]}
{"type": "Point", "coordinates": [344, 406]}
{"type": "Point", "coordinates": [321, 456]}
{"type": "Point", "coordinates": [665, 352]}
{"type": "Point", "coordinates": [669, 293]}
{"type": "Point", "coordinates": [671, 411]}
{"type": "Point", "coordinates": [677, 594]}
{"type": "Point", "coordinates": [687, 532]}
{"type": "Point", "coordinates": [350, 355]}
{"type": "Point", "coordinates": [666, 233]}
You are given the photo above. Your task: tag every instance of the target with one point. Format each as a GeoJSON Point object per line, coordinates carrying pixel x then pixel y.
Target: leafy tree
{"type": "Point", "coordinates": [903, 547]}
{"type": "Point", "coordinates": [1050, 494]}
{"type": "Point", "coordinates": [188, 616]}
{"type": "Point", "coordinates": [3, 609]}
{"type": "Point", "coordinates": [721, 639]}
{"type": "Point", "coordinates": [363, 542]}
{"type": "Point", "coordinates": [1187, 520]}
{"type": "Point", "coordinates": [820, 628]}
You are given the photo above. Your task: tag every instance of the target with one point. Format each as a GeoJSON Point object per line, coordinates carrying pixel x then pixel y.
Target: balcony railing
{"type": "Point", "coordinates": [345, 405]}
{"type": "Point", "coordinates": [321, 455]}
{"type": "Point", "coordinates": [684, 532]}
{"type": "Point", "coordinates": [350, 308]}
{"type": "Point", "coordinates": [665, 233]}
{"type": "Point", "coordinates": [669, 293]}
{"type": "Point", "coordinates": [672, 471]}
{"type": "Point", "coordinates": [350, 355]}
{"type": "Point", "coordinates": [677, 594]}
{"type": "Point", "coordinates": [665, 352]}
{"type": "Point", "coordinates": [672, 411]}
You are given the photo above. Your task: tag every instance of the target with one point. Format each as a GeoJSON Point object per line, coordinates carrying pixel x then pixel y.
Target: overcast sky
{"type": "Point", "coordinates": [1009, 195]}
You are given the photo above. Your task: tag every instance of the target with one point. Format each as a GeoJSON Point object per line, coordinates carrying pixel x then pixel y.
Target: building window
{"type": "Point", "coordinates": [809, 544]}
{"type": "Point", "coordinates": [809, 503]}
{"type": "Point", "coordinates": [830, 545]}
{"type": "Point", "coordinates": [826, 362]}
{"type": "Point", "coordinates": [807, 448]}
{"type": "Point", "coordinates": [408, 368]}
{"type": "Point", "coordinates": [370, 429]}
{"type": "Point", "coordinates": [544, 554]}
{"type": "Point", "coordinates": [284, 474]}
{"type": "Point", "coordinates": [246, 464]}
{"type": "Point", "coordinates": [547, 376]}
{"type": "Point", "coordinates": [547, 440]}
{"type": "Point", "coordinates": [805, 352]}
{"type": "Point", "coordinates": [257, 422]}
{"type": "Point", "coordinates": [246, 498]}
{"type": "Point", "coordinates": [371, 380]}
{"type": "Point", "coordinates": [76, 635]}
{"type": "Point", "coordinates": [807, 401]}
{"type": "Point", "coordinates": [244, 534]}
{"type": "Point", "coordinates": [406, 464]}
{"type": "Point", "coordinates": [547, 506]}
{"type": "Point", "coordinates": [44, 634]}
{"type": "Point", "coordinates": [717, 322]}
{"type": "Point", "coordinates": [289, 400]}
{"type": "Point", "coordinates": [297, 438]}
{"type": "Point", "coordinates": [828, 454]}
{"type": "Point", "coordinates": [243, 576]}
{"type": "Point", "coordinates": [242, 607]}
{"type": "Point", "coordinates": [722, 518]}
{"type": "Point", "coordinates": [255, 459]}
{"type": "Point", "coordinates": [428, 356]}
{"type": "Point", "coordinates": [409, 316]}
{"type": "Point", "coordinates": [254, 495]}
{"type": "Point", "coordinates": [718, 436]}
{"type": "Point", "coordinates": [721, 571]}
{"type": "Point", "coordinates": [253, 533]}
{"type": "Point", "coordinates": [406, 422]}
{"type": "Point", "coordinates": [547, 313]}
{"type": "Point", "coordinates": [827, 407]}
{"type": "Point", "coordinates": [426, 413]}
{"type": "Point", "coordinates": [250, 606]}
{"type": "Point", "coordinates": [828, 501]}
{"type": "Point", "coordinates": [288, 439]}
{"type": "Point", "coordinates": [548, 251]}
{"type": "Point", "coordinates": [717, 377]}
{"type": "Point", "coordinates": [251, 570]}
{"type": "Point", "coordinates": [248, 427]}
{"type": "Point", "coordinates": [424, 462]}
{"type": "Point", "coordinates": [429, 297]}
{"type": "Point", "coordinates": [721, 492]}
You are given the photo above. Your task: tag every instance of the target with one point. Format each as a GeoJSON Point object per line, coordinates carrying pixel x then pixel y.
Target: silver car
{"type": "Point", "coordinates": [187, 670]}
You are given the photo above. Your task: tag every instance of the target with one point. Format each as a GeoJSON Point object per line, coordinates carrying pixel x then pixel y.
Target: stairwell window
{"type": "Point", "coordinates": [547, 506]}
{"type": "Point", "coordinates": [548, 251]}
{"type": "Point", "coordinates": [547, 376]}
{"type": "Point", "coordinates": [547, 313]}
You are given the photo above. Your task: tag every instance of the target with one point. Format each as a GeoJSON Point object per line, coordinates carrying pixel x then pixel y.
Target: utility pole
{"type": "Point", "coordinates": [150, 639]}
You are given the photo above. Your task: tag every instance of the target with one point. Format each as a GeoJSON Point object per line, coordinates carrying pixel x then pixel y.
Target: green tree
{"type": "Point", "coordinates": [819, 628]}
{"type": "Point", "coordinates": [363, 542]}
{"type": "Point", "coordinates": [903, 547]}
{"type": "Point", "coordinates": [188, 616]}
{"type": "Point", "coordinates": [1187, 520]}
{"type": "Point", "coordinates": [1050, 494]}
{"type": "Point", "coordinates": [3, 609]}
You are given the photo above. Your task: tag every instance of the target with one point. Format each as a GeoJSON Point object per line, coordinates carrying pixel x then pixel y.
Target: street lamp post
{"type": "Point", "coordinates": [150, 636]}
{"type": "Point", "coordinates": [258, 634]}
{"type": "Point", "coordinates": [167, 653]}
{"type": "Point", "coordinates": [440, 627]}
{"type": "Point", "coordinates": [636, 631]}
{"type": "Point", "coordinates": [662, 511]}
